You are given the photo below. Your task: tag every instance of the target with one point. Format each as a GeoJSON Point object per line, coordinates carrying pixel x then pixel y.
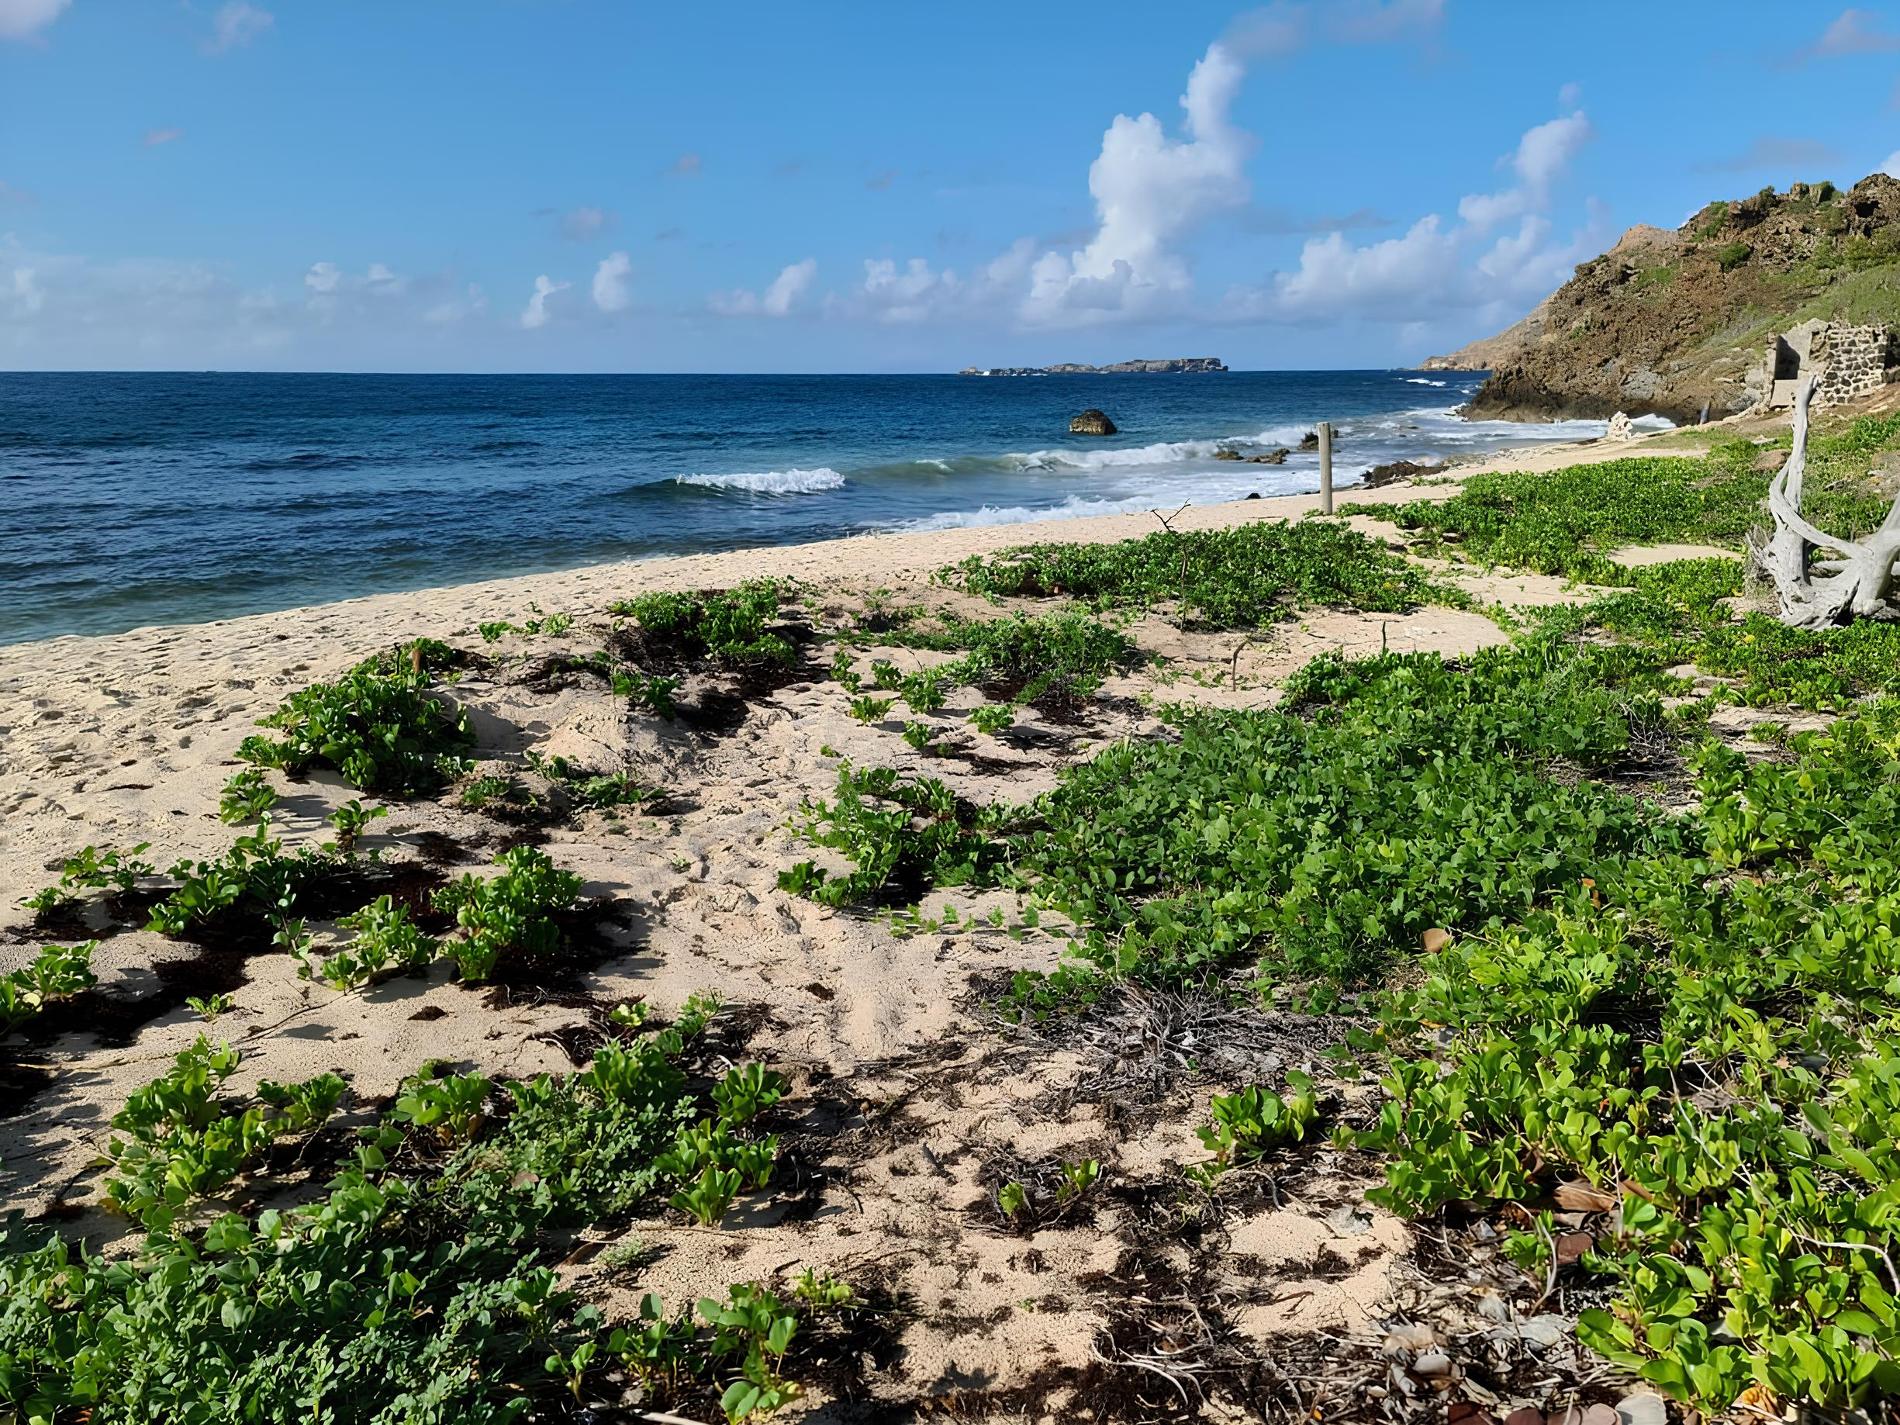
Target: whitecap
{"type": "Point", "coordinates": [770, 482]}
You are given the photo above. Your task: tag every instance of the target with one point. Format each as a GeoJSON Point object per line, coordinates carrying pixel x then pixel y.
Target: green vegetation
{"type": "Point", "coordinates": [729, 625]}
{"type": "Point", "coordinates": [247, 796]}
{"type": "Point", "coordinates": [256, 877]}
{"type": "Point", "coordinates": [1731, 255]}
{"type": "Point", "coordinates": [90, 870]}
{"type": "Point", "coordinates": [350, 821]}
{"type": "Point", "coordinates": [512, 916]}
{"type": "Point", "coordinates": [1566, 522]}
{"type": "Point", "coordinates": [1247, 1125]}
{"type": "Point", "coordinates": [1703, 1033]}
{"type": "Point", "coordinates": [182, 1143]}
{"type": "Point", "coordinates": [57, 972]}
{"type": "Point", "coordinates": [1232, 578]}
{"type": "Point", "coordinates": [902, 836]}
{"type": "Point", "coordinates": [386, 941]}
{"type": "Point", "coordinates": [554, 625]}
{"type": "Point", "coordinates": [382, 730]}
{"type": "Point", "coordinates": [419, 1288]}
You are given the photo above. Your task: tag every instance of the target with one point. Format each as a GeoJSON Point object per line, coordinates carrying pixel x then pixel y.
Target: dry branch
{"type": "Point", "coordinates": [1822, 593]}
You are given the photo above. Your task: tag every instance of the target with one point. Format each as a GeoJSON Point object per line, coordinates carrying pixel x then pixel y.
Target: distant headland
{"type": "Point", "coordinates": [1168, 366]}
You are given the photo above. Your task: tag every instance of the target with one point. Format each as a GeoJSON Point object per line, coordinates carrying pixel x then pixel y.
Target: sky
{"type": "Point", "coordinates": [603, 185]}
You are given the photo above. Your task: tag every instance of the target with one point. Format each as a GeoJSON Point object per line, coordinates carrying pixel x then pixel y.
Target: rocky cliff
{"type": "Point", "coordinates": [1667, 322]}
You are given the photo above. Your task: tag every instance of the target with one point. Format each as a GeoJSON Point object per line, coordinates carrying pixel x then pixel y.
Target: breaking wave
{"type": "Point", "coordinates": [770, 482]}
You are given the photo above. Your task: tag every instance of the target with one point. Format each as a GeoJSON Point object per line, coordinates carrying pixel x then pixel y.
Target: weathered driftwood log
{"type": "Point", "coordinates": [1858, 582]}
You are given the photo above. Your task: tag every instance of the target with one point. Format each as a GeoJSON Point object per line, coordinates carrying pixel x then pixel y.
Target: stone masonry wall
{"type": "Point", "coordinates": [1858, 361]}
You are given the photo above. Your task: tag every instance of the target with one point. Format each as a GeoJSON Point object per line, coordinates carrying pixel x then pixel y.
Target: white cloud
{"type": "Point", "coordinates": [1434, 270]}
{"type": "Point", "coordinates": [583, 223]}
{"type": "Point", "coordinates": [1148, 190]}
{"type": "Point", "coordinates": [1541, 157]}
{"type": "Point", "coordinates": [1892, 166]}
{"type": "Point", "coordinates": [535, 314]}
{"type": "Point", "coordinates": [322, 278]}
{"type": "Point", "coordinates": [236, 24]}
{"type": "Point", "coordinates": [26, 293]}
{"type": "Point", "coordinates": [155, 137]}
{"type": "Point", "coordinates": [1401, 273]}
{"type": "Point", "coordinates": [687, 165]}
{"type": "Point", "coordinates": [21, 19]}
{"type": "Point", "coordinates": [611, 290]}
{"type": "Point", "coordinates": [1853, 32]}
{"type": "Point", "coordinates": [779, 298]}
{"type": "Point", "coordinates": [788, 287]}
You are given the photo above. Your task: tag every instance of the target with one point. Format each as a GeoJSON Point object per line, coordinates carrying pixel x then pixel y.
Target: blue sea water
{"type": "Point", "coordinates": [135, 499]}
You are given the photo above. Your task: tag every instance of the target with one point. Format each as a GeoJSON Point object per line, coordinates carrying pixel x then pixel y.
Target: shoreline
{"type": "Point", "coordinates": [903, 556]}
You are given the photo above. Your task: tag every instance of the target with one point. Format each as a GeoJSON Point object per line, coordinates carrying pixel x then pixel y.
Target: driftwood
{"type": "Point", "coordinates": [1857, 581]}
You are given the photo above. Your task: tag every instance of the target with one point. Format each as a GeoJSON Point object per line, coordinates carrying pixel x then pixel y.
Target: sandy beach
{"type": "Point", "coordinates": [907, 1102]}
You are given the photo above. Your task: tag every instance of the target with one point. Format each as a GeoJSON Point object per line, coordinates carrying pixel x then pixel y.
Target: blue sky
{"type": "Point", "coordinates": [550, 185]}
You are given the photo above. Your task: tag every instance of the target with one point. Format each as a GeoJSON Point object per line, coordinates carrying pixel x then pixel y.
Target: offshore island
{"type": "Point", "coordinates": [1167, 366]}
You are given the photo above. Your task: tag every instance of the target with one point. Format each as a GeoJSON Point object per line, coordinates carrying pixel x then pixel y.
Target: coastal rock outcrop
{"type": "Point", "coordinates": [1673, 323]}
{"type": "Point", "coordinates": [1091, 422]}
{"type": "Point", "coordinates": [1398, 470]}
{"type": "Point", "coordinates": [1271, 457]}
{"type": "Point", "coordinates": [1621, 428]}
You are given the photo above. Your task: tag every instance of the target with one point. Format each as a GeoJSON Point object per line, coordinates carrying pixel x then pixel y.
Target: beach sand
{"type": "Point", "coordinates": [910, 1104]}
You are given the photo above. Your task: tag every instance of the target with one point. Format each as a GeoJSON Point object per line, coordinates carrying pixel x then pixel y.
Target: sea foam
{"type": "Point", "coordinates": [771, 482]}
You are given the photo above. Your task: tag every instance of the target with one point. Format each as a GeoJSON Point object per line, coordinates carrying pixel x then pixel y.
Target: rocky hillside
{"type": "Point", "coordinates": [1665, 322]}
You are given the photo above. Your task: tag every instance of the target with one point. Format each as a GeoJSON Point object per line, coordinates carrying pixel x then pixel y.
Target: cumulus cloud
{"type": "Point", "coordinates": [1853, 32]}
{"type": "Point", "coordinates": [1892, 166]}
{"type": "Point", "coordinates": [779, 299]}
{"type": "Point", "coordinates": [1434, 269]}
{"type": "Point", "coordinates": [22, 19]}
{"type": "Point", "coordinates": [612, 291]}
{"type": "Point", "coordinates": [1541, 156]}
{"type": "Point", "coordinates": [235, 25]}
{"type": "Point", "coordinates": [1148, 190]}
{"type": "Point", "coordinates": [155, 137]}
{"type": "Point", "coordinates": [583, 223]}
{"type": "Point", "coordinates": [535, 314]}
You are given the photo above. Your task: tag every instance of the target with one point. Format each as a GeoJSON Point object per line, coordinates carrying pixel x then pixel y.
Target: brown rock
{"type": "Point", "coordinates": [1091, 422]}
{"type": "Point", "coordinates": [1769, 461]}
{"type": "Point", "coordinates": [1399, 470]}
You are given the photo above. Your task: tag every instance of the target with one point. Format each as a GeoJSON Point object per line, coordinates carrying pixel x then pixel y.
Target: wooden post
{"type": "Point", "coordinates": [1326, 467]}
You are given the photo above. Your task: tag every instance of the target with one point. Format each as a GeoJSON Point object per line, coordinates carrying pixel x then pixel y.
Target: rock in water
{"type": "Point", "coordinates": [1091, 422]}
{"type": "Point", "coordinates": [1310, 441]}
{"type": "Point", "coordinates": [1621, 428]}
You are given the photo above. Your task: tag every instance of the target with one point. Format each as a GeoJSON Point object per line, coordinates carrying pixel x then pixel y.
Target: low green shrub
{"type": "Point", "coordinates": [419, 1287]}
{"type": "Point", "coordinates": [729, 624]}
{"type": "Point", "coordinates": [384, 732]}
{"type": "Point", "coordinates": [1232, 578]}
{"type": "Point", "coordinates": [511, 916]}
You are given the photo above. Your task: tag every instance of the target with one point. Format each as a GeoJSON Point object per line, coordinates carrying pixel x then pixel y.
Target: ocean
{"type": "Point", "coordinates": [135, 499]}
